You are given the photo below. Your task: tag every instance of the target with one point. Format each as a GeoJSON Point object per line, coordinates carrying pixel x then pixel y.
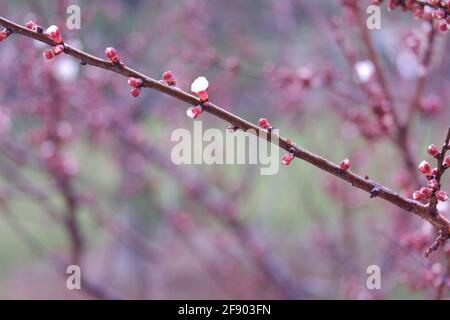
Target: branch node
{"type": "Point", "coordinates": [374, 192]}
{"type": "Point", "coordinates": [233, 128]}
{"type": "Point", "coordinates": [204, 104]}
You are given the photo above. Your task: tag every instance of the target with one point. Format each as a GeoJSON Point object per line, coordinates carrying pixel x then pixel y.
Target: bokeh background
{"type": "Point", "coordinates": [86, 176]}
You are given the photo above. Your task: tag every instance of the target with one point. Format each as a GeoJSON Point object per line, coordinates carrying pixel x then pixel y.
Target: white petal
{"type": "Point", "coordinates": [190, 113]}
{"type": "Point", "coordinates": [52, 29]}
{"type": "Point", "coordinates": [200, 84]}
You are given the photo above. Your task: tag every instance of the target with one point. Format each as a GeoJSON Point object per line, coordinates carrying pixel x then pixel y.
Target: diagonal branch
{"type": "Point", "coordinates": [439, 221]}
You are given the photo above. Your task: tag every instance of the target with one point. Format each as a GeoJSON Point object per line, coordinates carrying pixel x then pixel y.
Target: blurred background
{"type": "Point", "coordinates": [86, 176]}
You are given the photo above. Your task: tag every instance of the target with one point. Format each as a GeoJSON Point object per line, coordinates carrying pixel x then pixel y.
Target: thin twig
{"type": "Point", "coordinates": [420, 84]}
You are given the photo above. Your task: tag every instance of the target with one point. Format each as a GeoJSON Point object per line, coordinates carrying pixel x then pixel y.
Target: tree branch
{"type": "Point", "coordinates": [439, 221]}
{"type": "Point", "coordinates": [440, 171]}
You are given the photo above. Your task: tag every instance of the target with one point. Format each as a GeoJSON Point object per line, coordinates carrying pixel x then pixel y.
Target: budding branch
{"type": "Point", "coordinates": [439, 221]}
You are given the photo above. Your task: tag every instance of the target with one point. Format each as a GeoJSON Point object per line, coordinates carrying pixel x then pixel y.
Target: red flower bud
{"type": "Point", "coordinates": [442, 196]}
{"type": "Point", "coordinates": [434, 171]}
{"type": "Point", "coordinates": [264, 123]}
{"type": "Point", "coordinates": [287, 159]}
{"type": "Point", "coordinates": [48, 54]}
{"type": "Point", "coordinates": [58, 49]}
{"type": "Point", "coordinates": [53, 52]}
{"type": "Point", "coordinates": [203, 96]}
{"type": "Point", "coordinates": [425, 168]}
{"type": "Point", "coordinates": [3, 35]}
{"type": "Point", "coordinates": [417, 195]}
{"type": "Point", "coordinates": [135, 91]}
{"type": "Point", "coordinates": [168, 78]}
{"type": "Point", "coordinates": [54, 33]}
{"type": "Point", "coordinates": [426, 192]}
{"type": "Point", "coordinates": [442, 26]}
{"type": "Point", "coordinates": [194, 112]}
{"type": "Point", "coordinates": [111, 53]}
{"type": "Point", "coordinates": [433, 150]}
{"type": "Point", "coordinates": [134, 82]}
{"type": "Point", "coordinates": [446, 162]}
{"type": "Point", "coordinates": [31, 25]}
{"type": "Point", "coordinates": [167, 75]}
{"type": "Point", "coordinates": [345, 165]}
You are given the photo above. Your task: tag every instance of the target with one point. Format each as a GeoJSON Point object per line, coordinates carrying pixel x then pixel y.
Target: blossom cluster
{"type": "Point", "coordinates": [433, 175]}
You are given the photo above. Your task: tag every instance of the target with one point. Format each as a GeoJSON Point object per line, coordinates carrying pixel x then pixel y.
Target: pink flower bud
{"type": "Point", "coordinates": [345, 165]}
{"type": "Point", "coordinates": [433, 150]}
{"type": "Point", "coordinates": [167, 75]}
{"type": "Point", "coordinates": [48, 54]}
{"type": "Point", "coordinates": [194, 112]}
{"type": "Point", "coordinates": [3, 35]}
{"type": "Point", "coordinates": [417, 195]}
{"type": "Point", "coordinates": [442, 26]}
{"type": "Point", "coordinates": [54, 33]}
{"type": "Point", "coordinates": [425, 168]}
{"type": "Point", "coordinates": [434, 171]}
{"type": "Point", "coordinates": [31, 25]}
{"type": "Point", "coordinates": [426, 192]}
{"type": "Point", "coordinates": [111, 53]}
{"type": "Point", "coordinates": [287, 159]}
{"type": "Point", "coordinates": [442, 196]}
{"type": "Point", "coordinates": [200, 87]}
{"type": "Point", "coordinates": [135, 91]}
{"type": "Point", "coordinates": [264, 123]}
{"type": "Point", "coordinates": [58, 49]}
{"type": "Point", "coordinates": [134, 82]}
{"type": "Point", "coordinates": [168, 78]}
{"type": "Point", "coordinates": [203, 96]}
{"type": "Point", "coordinates": [446, 162]}
{"type": "Point", "coordinates": [53, 52]}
